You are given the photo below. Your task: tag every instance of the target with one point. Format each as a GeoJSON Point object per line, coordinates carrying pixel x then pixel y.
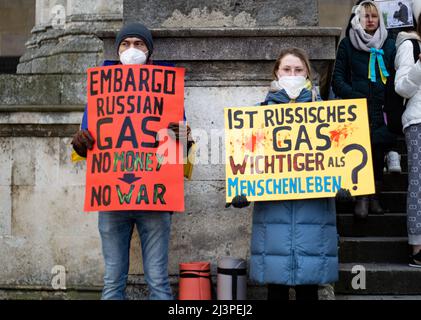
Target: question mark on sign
{"type": "Point", "coordinates": [363, 163]}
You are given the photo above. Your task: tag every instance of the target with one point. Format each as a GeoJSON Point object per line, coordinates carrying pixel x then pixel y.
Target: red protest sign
{"type": "Point", "coordinates": [134, 164]}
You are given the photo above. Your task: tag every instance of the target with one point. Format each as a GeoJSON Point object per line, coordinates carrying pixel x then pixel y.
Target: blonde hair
{"type": "Point", "coordinates": [297, 52]}
{"type": "Point", "coordinates": [369, 6]}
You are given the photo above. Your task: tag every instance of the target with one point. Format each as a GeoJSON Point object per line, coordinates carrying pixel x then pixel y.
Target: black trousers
{"type": "Point", "coordinates": [302, 292]}
{"type": "Point", "coordinates": [378, 152]}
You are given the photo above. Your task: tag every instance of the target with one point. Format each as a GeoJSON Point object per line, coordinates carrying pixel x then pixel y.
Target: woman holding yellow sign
{"type": "Point", "coordinates": [294, 242]}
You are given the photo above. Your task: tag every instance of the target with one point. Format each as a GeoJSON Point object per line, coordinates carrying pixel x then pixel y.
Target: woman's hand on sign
{"type": "Point", "coordinates": [238, 202]}
{"type": "Point", "coordinates": [179, 131]}
{"type": "Point", "coordinates": [82, 141]}
{"type": "Point", "coordinates": [343, 195]}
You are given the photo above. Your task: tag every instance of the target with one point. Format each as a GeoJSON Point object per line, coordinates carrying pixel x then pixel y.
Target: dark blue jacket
{"type": "Point", "coordinates": [350, 81]}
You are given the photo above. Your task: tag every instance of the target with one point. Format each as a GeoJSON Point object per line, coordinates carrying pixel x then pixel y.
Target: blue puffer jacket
{"type": "Point", "coordinates": [294, 242]}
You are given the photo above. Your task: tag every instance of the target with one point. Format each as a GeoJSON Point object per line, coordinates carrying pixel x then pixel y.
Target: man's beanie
{"type": "Point", "coordinates": [135, 30]}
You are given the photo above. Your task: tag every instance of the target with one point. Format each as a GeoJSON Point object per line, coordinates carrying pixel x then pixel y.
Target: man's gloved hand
{"type": "Point", "coordinates": [238, 202]}
{"type": "Point", "coordinates": [179, 131]}
{"type": "Point", "coordinates": [82, 141]}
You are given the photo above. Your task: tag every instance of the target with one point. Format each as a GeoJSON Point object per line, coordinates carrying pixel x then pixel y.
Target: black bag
{"type": "Point", "coordinates": [394, 105]}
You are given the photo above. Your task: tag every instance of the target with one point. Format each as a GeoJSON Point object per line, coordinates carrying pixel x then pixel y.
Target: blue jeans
{"type": "Point", "coordinates": [116, 230]}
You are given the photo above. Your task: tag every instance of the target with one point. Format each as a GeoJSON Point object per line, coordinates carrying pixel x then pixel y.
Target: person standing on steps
{"type": "Point", "coordinates": [408, 85]}
{"type": "Point", "coordinates": [293, 242]}
{"type": "Point", "coordinates": [363, 59]}
{"type": "Point", "coordinates": [392, 160]}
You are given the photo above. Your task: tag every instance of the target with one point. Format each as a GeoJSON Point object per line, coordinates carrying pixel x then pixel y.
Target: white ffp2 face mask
{"type": "Point", "coordinates": [292, 85]}
{"type": "Point", "coordinates": [133, 56]}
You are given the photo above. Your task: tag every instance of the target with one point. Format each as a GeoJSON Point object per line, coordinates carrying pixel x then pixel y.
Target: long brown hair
{"type": "Point", "coordinates": [297, 52]}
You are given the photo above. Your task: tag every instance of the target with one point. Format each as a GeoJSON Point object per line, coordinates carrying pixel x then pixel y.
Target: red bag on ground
{"type": "Point", "coordinates": [195, 281]}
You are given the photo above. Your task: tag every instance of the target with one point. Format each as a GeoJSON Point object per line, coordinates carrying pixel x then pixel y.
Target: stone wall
{"type": "Point", "coordinates": [335, 13]}
{"type": "Point", "coordinates": [41, 191]}
{"type": "Point", "coordinates": [42, 195]}
{"type": "Point", "coordinates": [222, 13]}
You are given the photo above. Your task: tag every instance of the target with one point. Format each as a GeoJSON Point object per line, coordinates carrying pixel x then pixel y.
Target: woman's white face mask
{"type": "Point", "coordinates": [133, 56]}
{"type": "Point", "coordinates": [292, 85]}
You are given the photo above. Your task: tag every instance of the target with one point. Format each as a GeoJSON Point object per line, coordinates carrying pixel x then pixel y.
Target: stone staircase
{"type": "Point", "coordinates": [380, 245]}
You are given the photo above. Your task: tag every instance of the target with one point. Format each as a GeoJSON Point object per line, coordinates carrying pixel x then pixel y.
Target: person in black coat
{"type": "Point", "coordinates": [355, 77]}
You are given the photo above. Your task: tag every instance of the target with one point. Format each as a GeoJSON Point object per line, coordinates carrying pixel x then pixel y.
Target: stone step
{"type": "Point", "coordinates": [377, 297]}
{"type": "Point", "coordinates": [392, 202]}
{"type": "Point", "coordinates": [23, 293]}
{"type": "Point", "coordinates": [43, 89]}
{"type": "Point", "coordinates": [137, 288]}
{"type": "Point", "coordinates": [395, 182]}
{"type": "Point", "coordinates": [374, 249]}
{"type": "Point", "coordinates": [388, 279]}
{"type": "Point", "coordinates": [387, 225]}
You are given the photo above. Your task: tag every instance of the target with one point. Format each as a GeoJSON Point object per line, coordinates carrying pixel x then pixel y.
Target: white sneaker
{"type": "Point", "coordinates": [393, 160]}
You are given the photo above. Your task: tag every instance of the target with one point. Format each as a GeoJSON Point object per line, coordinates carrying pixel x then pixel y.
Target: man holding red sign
{"type": "Point", "coordinates": [129, 179]}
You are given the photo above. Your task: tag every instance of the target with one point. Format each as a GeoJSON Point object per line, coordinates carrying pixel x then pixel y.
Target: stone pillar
{"type": "Point", "coordinates": [64, 39]}
{"type": "Point", "coordinates": [42, 223]}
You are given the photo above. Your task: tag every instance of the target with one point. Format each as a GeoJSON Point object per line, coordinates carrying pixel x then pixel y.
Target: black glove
{"type": "Point", "coordinates": [343, 195]}
{"type": "Point", "coordinates": [238, 202]}
{"type": "Point", "coordinates": [82, 141]}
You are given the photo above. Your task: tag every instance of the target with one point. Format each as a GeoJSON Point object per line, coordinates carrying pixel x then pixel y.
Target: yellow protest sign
{"type": "Point", "coordinates": [298, 150]}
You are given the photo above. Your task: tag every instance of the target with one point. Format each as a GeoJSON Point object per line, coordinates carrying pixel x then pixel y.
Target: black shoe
{"type": "Point", "coordinates": [375, 206]}
{"type": "Point", "coordinates": [361, 207]}
{"type": "Point", "coordinates": [415, 260]}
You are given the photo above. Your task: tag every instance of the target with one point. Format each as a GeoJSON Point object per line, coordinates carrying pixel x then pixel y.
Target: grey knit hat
{"type": "Point", "coordinates": [135, 30]}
